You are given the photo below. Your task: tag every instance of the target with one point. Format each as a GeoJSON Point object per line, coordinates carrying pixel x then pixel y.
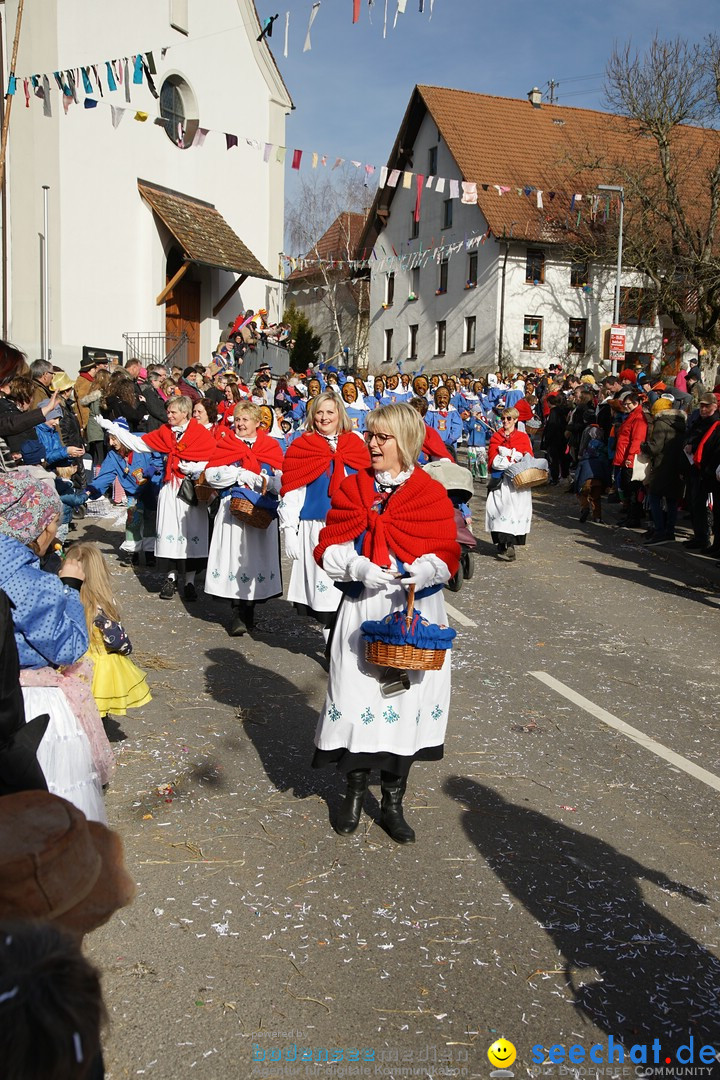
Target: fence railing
{"type": "Point", "coordinates": [157, 348]}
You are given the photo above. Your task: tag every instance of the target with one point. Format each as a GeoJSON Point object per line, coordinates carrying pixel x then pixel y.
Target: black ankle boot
{"type": "Point", "coordinates": [391, 816]}
{"type": "Point", "coordinates": [237, 624]}
{"type": "Point", "coordinates": [348, 817]}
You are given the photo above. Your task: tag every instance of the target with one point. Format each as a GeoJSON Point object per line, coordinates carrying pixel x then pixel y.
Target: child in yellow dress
{"type": "Point", "coordinates": [118, 684]}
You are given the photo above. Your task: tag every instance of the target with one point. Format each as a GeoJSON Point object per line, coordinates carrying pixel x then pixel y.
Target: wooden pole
{"type": "Point", "coordinates": [9, 97]}
{"type": "Point", "coordinates": [173, 282]}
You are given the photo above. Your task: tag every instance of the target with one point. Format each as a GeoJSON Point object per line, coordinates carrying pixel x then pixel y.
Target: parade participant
{"type": "Point", "coordinates": [355, 406]}
{"type": "Point", "coordinates": [421, 387]}
{"type": "Point", "coordinates": [632, 433]}
{"type": "Point", "coordinates": [393, 394]}
{"type": "Point", "coordinates": [390, 526]}
{"type": "Point", "coordinates": [477, 432]}
{"type": "Point", "coordinates": [206, 413]}
{"type": "Point", "coordinates": [433, 448]}
{"type": "Point", "coordinates": [117, 684]}
{"type": "Point", "coordinates": [51, 637]}
{"type": "Point", "coordinates": [508, 512]}
{"type": "Point", "coordinates": [378, 394]}
{"type": "Point", "coordinates": [445, 420]}
{"type": "Point", "coordinates": [244, 562]}
{"type": "Point", "coordinates": [182, 533]}
{"type": "Point", "coordinates": [315, 464]}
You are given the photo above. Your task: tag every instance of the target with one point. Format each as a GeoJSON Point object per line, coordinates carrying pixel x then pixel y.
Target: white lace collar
{"type": "Point", "coordinates": [385, 480]}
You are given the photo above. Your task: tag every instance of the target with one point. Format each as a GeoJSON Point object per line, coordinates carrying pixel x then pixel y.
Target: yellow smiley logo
{"type": "Point", "coordinates": [501, 1054]}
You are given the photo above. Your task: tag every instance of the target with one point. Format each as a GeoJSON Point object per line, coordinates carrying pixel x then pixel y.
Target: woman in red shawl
{"type": "Point", "coordinates": [315, 465]}
{"type": "Point", "coordinates": [182, 529]}
{"type": "Point", "coordinates": [244, 562]}
{"type": "Point", "coordinates": [390, 526]}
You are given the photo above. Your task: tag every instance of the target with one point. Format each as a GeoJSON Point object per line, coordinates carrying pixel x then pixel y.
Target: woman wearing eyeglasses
{"type": "Point", "coordinates": [390, 526]}
{"type": "Point", "coordinates": [315, 465]}
{"type": "Point", "coordinates": [244, 562]}
{"type": "Point", "coordinates": [508, 512]}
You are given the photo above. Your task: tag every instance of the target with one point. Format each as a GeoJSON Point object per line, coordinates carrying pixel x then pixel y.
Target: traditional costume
{"type": "Point", "coordinates": [508, 512]}
{"type": "Point", "coordinates": [313, 470]}
{"type": "Point", "coordinates": [244, 562]}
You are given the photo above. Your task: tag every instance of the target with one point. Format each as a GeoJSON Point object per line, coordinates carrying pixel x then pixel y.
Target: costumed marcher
{"type": "Point", "coordinates": [508, 512]}
{"type": "Point", "coordinates": [390, 526]}
{"type": "Point", "coordinates": [445, 420]}
{"type": "Point", "coordinates": [52, 638]}
{"type": "Point", "coordinates": [355, 406]}
{"type": "Point", "coordinates": [244, 561]}
{"type": "Point", "coordinates": [117, 684]}
{"type": "Point", "coordinates": [594, 474]}
{"type": "Point", "coordinates": [315, 465]}
{"type": "Point", "coordinates": [433, 448]}
{"type": "Point", "coordinates": [182, 527]}
{"type": "Point", "coordinates": [478, 432]}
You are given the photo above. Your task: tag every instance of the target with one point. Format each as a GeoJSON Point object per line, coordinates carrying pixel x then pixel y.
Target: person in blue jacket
{"type": "Point", "coordinates": [445, 420]}
{"type": "Point", "coordinates": [55, 452]}
{"type": "Point", "coordinates": [140, 476]}
{"type": "Point", "coordinates": [478, 432]}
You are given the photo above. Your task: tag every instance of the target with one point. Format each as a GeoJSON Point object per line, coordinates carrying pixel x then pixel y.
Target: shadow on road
{"type": "Point", "coordinates": [650, 978]}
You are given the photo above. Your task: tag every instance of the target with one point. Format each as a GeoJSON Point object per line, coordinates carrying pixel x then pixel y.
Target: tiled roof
{"type": "Point", "coordinates": [202, 232]}
{"type": "Point", "coordinates": [509, 142]}
{"type": "Point", "coordinates": [340, 241]}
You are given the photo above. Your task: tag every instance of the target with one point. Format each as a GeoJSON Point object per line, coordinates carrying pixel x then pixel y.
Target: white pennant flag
{"type": "Point", "coordinates": [383, 175]}
{"type": "Point", "coordinates": [539, 200]}
{"type": "Point", "coordinates": [308, 46]}
{"type": "Point", "coordinates": [117, 115]}
{"type": "Point", "coordinates": [287, 33]}
{"type": "Point", "coordinates": [401, 5]}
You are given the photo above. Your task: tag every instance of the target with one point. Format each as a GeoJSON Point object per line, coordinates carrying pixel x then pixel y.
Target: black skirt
{"type": "Point", "coordinates": [345, 761]}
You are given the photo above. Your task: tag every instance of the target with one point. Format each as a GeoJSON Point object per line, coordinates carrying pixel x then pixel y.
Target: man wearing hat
{"type": "Point", "coordinates": [82, 387]}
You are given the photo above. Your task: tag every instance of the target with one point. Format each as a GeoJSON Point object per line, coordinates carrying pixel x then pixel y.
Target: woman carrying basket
{"type": "Point", "coordinates": [244, 560]}
{"type": "Point", "coordinates": [390, 526]}
{"type": "Point", "coordinates": [508, 510]}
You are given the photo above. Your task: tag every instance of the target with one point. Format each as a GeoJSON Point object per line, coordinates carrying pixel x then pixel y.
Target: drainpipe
{"type": "Point", "coordinates": [502, 295]}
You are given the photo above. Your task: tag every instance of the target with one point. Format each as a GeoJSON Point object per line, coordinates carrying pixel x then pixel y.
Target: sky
{"type": "Point", "coordinates": [352, 88]}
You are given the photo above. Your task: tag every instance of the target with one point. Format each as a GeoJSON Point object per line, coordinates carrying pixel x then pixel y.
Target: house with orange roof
{"type": "Point", "coordinates": [474, 234]}
{"type": "Point", "coordinates": [333, 293]}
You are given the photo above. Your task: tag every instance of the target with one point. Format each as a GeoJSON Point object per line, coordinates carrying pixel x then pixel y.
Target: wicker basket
{"type": "Point", "coordinates": [248, 513]}
{"type": "Point", "coordinates": [405, 657]}
{"type": "Point", "coordinates": [530, 478]}
{"type": "Point", "coordinates": [204, 491]}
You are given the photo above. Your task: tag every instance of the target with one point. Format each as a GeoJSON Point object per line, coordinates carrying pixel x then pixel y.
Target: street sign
{"type": "Point", "coordinates": [617, 344]}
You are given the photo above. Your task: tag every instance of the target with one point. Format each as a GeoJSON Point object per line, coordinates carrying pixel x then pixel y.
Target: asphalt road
{"type": "Point", "coordinates": [563, 888]}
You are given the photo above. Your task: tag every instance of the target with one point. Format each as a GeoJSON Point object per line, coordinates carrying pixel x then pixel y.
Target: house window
{"type": "Point", "coordinates": [577, 333]}
{"type": "Point", "coordinates": [389, 289]}
{"type": "Point", "coordinates": [179, 111]}
{"type": "Point", "coordinates": [432, 161]}
{"type": "Point", "coordinates": [472, 270]}
{"type": "Point", "coordinates": [532, 332]}
{"type": "Point", "coordinates": [414, 227]}
{"type": "Point", "coordinates": [440, 336]}
{"type": "Point", "coordinates": [412, 341]}
{"type": "Point", "coordinates": [388, 346]}
{"type": "Point", "coordinates": [535, 267]}
{"type": "Point", "coordinates": [447, 214]}
{"type": "Point", "coordinates": [637, 307]}
{"type": "Point", "coordinates": [179, 15]}
{"type": "Point", "coordinates": [579, 273]}
{"type": "Point", "coordinates": [469, 345]}
{"type": "Point", "coordinates": [443, 279]}
{"type": "Point", "coordinates": [415, 282]}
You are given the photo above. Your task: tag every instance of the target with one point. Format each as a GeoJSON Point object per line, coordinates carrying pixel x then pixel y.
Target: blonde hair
{"type": "Point", "coordinates": [183, 403]}
{"type": "Point", "coordinates": [96, 589]}
{"type": "Point", "coordinates": [66, 472]}
{"type": "Point", "coordinates": [511, 412]}
{"type": "Point", "coordinates": [247, 408]}
{"type": "Point", "coordinates": [321, 399]}
{"type": "Point", "coordinates": [405, 424]}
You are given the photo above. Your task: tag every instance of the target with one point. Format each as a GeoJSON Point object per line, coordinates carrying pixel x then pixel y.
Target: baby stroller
{"type": "Point", "coordinates": [458, 483]}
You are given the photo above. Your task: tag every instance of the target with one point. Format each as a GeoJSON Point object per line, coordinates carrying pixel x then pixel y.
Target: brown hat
{"type": "Point", "coordinates": [708, 399]}
{"type": "Point", "coordinates": [57, 865]}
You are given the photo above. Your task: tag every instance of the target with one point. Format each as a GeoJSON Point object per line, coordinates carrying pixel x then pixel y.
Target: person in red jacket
{"type": "Point", "coordinates": [633, 432]}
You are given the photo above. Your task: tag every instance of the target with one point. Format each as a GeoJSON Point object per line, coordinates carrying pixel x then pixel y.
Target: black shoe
{"type": "Point", "coordinates": [348, 817]}
{"type": "Point", "coordinates": [391, 809]}
{"type": "Point", "coordinates": [511, 553]}
{"type": "Point", "coordinates": [654, 541]}
{"type": "Point", "coordinates": [584, 515]}
{"type": "Point", "coordinates": [168, 590]}
{"type": "Point", "coordinates": [693, 545]}
{"type": "Point", "coordinates": [237, 626]}
{"type": "Point", "coordinates": [150, 559]}
{"type": "Point", "coordinates": [135, 560]}
{"type": "Point", "coordinates": [190, 592]}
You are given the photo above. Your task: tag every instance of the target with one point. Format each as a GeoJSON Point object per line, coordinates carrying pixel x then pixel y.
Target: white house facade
{"type": "Point", "coordinates": [137, 198]}
{"type": "Point", "coordinates": [492, 283]}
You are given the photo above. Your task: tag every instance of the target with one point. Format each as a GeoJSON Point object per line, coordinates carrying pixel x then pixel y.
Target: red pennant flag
{"type": "Point", "coordinates": [297, 158]}
{"type": "Point", "coordinates": [420, 180]}
{"type": "Point", "coordinates": [356, 10]}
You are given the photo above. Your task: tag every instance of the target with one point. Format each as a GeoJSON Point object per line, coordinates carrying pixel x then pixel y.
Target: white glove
{"type": "Point", "coordinates": [191, 468]}
{"type": "Point", "coordinates": [248, 479]}
{"type": "Point", "coordinates": [371, 575]}
{"type": "Point", "coordinates": [422, 574]}
{"type": "Point", "coordinates": [292, 544]}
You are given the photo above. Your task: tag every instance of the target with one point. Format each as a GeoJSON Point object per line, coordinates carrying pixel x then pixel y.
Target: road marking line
{"type": "Point", "coordinates": [458, 615]}
{"type": "Point", "coordinates": [637, 736]}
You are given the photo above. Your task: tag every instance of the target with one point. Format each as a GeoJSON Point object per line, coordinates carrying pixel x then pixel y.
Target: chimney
{"type": "Point", "coordinates": [535, 97]}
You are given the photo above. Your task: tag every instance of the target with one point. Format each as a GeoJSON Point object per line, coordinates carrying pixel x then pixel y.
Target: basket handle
{"type": "Point", "coordinates": [410, 605]}
{"type": "Point", "coordinates": [264, 483]}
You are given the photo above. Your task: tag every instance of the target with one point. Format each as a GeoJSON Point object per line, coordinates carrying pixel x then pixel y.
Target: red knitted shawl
{"type": "Point", "coordinates": [233, 451]}
{"type": "Point", "coordinates": [433, 446]}
{"type": "Point", "coordinates": [310, 456]}
{"type": "Point", "coordinates": [195, 444]}
{"type": "Point", "coordinates": [517, 440]}
{"type": "Point", "coordinates": [417, 519]}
